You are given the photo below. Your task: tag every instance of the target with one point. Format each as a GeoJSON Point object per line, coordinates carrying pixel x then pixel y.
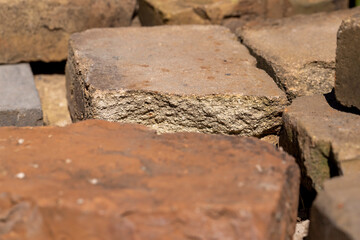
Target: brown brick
{"type": "Point", "coordinates": [35, 30]}
{"type": "Point", "coordinates": [298, 52]}
{"type": "Point", "coordinates": [102, 180]}
{"type": "Point", "coordinates": [336, 213]}
{"type": "Point", "coordinates": [347, 83]}
{"type": "Point", "coordinates": [325, 140]}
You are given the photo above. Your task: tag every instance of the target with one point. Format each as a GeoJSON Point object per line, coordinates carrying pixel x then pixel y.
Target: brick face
{"type": "Point", "coordinates": [102, 180]}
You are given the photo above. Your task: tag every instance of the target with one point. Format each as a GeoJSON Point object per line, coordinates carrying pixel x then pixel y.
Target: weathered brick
{"type": "Point", "coordinates": [35, 30]}
{"type": "Point", "coordinates": [19, 99]}
{"type": "Point", "coordinates": [347, 83]}
{"type": "Point", "coordinates": [182, 78]}
{"type": "Point", "coordinates": [298, 52]}
{"type": "Point", "coordinates": [325, 141]}
{"type": "Point", "coordinates": [158, 12]}
{"type": "Point", "coordinates": [102, 180]}
{"type": "Point", "coordinates": [336, 212]}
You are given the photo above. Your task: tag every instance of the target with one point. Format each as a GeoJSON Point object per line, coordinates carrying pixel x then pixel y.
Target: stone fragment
{"type": "Point", "coordinates": [347, 83]}
{"type": "Point", "coordinates": [336, 211]}
{"type": "Point", "coordinates": [301, 230]}
{"type": "Point", "coordinates": [182, 78]}
{"type": "Point", "coordinates": [19, 100]}
{"type": "Point", "coordinates": [35, 30]}
{"type": "Point", "coordinates": [272, 139]}
{"type": "Point", "coordinates": [52, 93]}
{"type": "Point", "coordinates": [297, 52]}
{"type": "Point", "coordinates": [324, 140]}
{"type": "Point", "coordinates": [102, 180]}
{"type": "Point", "coordinates": [158, 12]}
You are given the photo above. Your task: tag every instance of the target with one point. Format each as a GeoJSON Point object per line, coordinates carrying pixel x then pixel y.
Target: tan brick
{"type": "Point", "coordinates": [158, 12]}
{"type": "Point", "coordinates": [172, 78]}
{"type": "Point", "coordinates": [52, 93]}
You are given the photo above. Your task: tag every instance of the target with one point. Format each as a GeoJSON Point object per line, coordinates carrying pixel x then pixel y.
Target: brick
{"type": "Point", "coordinates": [296, 52]}
{"type": "Point", "coordinates": [159, 12]}
{"type": "Point", "coordinates": [35, 30]}
{"type": "Point", "coordinates": [324, 140]}
{"type": "Point", "coordinates": [314, 6]}
{"type": "Point", "coordinates": [52, 93]}
{"type": "Point", "coordinates": [19, 101]}
{"type": "Point", "coordinates": [101, 180]}
{"type": "Point", "coordinates": [347, 83]}
{"type": "Point", "coordinates": [182, 78]}
{"type": "Point", "coordinates": [336, 213]}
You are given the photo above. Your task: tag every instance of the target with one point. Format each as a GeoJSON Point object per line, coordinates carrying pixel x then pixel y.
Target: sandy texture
{"type": "Point", "coordinates": [182, 78]}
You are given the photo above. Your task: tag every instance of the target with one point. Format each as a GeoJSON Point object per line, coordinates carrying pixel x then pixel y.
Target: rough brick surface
{"type": "Point", "coordinates": [298, 52]}
{"type": "Point", "coordinates": [19, 99]}
{"type": "Point", "coordinates": [325, 141]}
{"type": "Point", "coordinates": [182, 78]}
{"type": "Point", "coordinates": [336, 211]}
{"type": "Point", "coordinates": [347, 83]}
{"type": "Point", "coordinates": [35, 30]}
{"type": "Point", "coordinates": [102, 180]}
{"type": "Point", "coordinates": [52, 93]}
{"type": "Point", "coordinates": [158, 12]}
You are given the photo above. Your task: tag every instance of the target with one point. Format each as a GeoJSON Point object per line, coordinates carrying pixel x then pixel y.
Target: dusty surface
{"type": "Point", "coordinates": [298, 54]}
{"type": "Point", "coordinates": [19, 99]}
{"type": "Point", "coordinates": [336, 211]}
{"type": "Point", "coordinates": [54, 104]}
{"type": "Point", "coordinates": [183, 78]}
{"type": "Point", "coordinates": [325, 141]}
{"type": "Point", "coordinates": [35, 30]}
{"type": "Point", "coordinates": [102, 180]}
{"type": "Point", "coordinates": [347, 83]}
{"type": "Point", "coordinates": [158, 12]}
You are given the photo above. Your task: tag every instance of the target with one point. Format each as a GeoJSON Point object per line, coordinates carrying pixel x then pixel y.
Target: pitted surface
{"type": "Point", "coordinates": [172, 78]}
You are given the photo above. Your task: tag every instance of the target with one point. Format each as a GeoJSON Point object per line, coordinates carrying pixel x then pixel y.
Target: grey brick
{"type": "Point", "coordinates": [19, 99]}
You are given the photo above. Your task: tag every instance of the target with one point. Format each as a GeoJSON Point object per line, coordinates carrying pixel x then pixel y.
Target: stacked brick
{"type": "Point", "coordinates": [158, 161]}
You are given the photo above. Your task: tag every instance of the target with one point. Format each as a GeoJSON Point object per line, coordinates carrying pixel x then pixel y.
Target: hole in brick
{"type": "Point", "coordinates": [48, 68]}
